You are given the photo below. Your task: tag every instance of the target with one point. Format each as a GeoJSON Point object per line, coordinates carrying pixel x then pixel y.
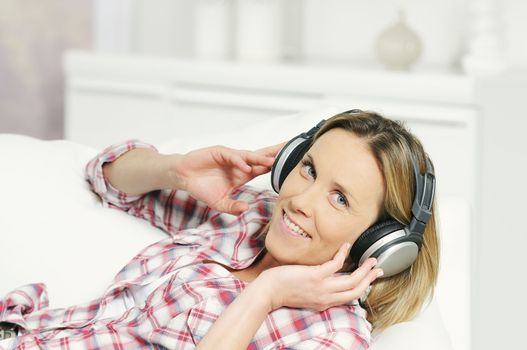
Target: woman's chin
{"type": "Point", "coordinates": [286, 250]}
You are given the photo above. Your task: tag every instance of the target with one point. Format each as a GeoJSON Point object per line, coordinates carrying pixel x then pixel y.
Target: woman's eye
{"type": "Point", "coordinates": [308, 170]}
{"type": "Point", "coordinates": [340, 199]}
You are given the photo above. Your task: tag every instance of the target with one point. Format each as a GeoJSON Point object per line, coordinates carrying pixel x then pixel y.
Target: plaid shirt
{"type": "Point", "coordinates": [185, 295]}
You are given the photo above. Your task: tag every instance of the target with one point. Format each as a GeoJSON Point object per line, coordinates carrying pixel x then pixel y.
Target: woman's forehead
{"type": "Point", "coordinates": [346, 159]}
{"type": "Point", "coordinates": [341, 144]}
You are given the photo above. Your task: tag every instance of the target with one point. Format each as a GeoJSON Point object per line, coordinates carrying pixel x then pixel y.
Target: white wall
{"type": "Point", "coordinates": [343, 31]}
{"type": "Point", "coordinates": [500, 288]}
{"type": "Point", "coordinates": [514, 29]}
{"type": "Point", "coordinates": [331, 30]}
{"type": "Point", "coordinates": [346, 30]}
{"type": "Point", "coordinates": [112, 25]}
{"type": "Point", "coordinates": [163, 29]}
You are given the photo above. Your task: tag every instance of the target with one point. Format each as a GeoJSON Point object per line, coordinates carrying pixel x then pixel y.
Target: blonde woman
{"type": "Point", "coordinates": [245, 269]}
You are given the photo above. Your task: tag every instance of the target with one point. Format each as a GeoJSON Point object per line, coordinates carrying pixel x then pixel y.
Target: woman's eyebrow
{"type": "Point", "coordinates": [333, 182]}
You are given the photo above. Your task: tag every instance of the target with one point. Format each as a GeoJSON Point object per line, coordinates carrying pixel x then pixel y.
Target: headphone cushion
{"type": "Point", "coordinates": [372, 235]}
{"type": "Point", "coordinates": [294, 157]}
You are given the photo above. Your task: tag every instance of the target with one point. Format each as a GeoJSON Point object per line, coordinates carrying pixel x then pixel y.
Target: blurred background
{"type": "Point", "coordinates": [462, 55]}
{"type": "Point", "coordinates": [34, 34]}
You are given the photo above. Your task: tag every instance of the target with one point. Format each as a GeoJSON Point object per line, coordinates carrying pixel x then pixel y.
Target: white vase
{"type": "Point", "coordinates": [398, 46]}
{"type": "Point", "coordinates": [258, 30]}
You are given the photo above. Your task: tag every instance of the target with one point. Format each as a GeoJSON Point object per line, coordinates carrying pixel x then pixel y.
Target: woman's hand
{"type": "Point", "coordinates": [317, 287]}
{"type": "Point", "coordinates": [212, 174]}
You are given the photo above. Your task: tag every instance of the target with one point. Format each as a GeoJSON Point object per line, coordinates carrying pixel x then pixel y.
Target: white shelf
{"type": "Point", "coordinates": [310, 80]}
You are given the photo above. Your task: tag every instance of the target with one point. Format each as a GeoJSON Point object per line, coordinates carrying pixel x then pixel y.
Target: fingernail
{"type": "Point", "coordinates": [380, 273]}
{"type": "Point", "coordinates": [373, 262]}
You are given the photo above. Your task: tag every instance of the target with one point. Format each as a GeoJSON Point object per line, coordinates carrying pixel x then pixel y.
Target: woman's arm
{"type": "Point", "coordinates": [297, 286]}
{"type": "Point", "coordinates": [136, 167]}
{"type": "Point", "coordinates": [127, 175]}
{"type": "Point", "coordinates": [246, 312]}
{"type": "Point", "coordinates": [209, 174]}
{"type": "Point", "coordinates": [143, 170]}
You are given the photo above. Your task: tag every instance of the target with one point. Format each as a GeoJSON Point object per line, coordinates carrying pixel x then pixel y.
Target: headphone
{"type": "Point", "coordinates": [394, 245]}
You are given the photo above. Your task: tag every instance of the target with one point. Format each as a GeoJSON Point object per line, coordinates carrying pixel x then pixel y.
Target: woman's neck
{"type": "Point", "coordinates": [262, 263]}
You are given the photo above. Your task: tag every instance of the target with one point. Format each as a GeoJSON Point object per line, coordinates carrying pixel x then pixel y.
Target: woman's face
{"type": "Point", "coordinates": [332, 196]}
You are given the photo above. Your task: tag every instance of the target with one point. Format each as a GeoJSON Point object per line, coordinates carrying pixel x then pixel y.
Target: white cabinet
{"type": "Point", "coordinates": [110, 98]}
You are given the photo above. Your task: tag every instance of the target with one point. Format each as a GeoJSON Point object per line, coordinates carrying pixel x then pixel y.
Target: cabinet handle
{"type": "Point", "coordinates": [116, 88]}
{"type": "Point", "coordinates": [220, 96]}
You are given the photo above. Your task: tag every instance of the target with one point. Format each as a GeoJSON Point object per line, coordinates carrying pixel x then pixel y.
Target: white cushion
{"type": "Point", "coordinates": [54, 229]}
{"type": "Point", "coordinates": [426, 331]}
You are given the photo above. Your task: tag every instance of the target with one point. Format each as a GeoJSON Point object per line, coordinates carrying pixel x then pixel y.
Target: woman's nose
{"type": "Point", "coordinates": [304, 202]}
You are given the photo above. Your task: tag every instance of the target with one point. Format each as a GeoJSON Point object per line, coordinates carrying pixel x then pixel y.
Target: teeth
{"type": "Point", "coordinates": [295, 227]}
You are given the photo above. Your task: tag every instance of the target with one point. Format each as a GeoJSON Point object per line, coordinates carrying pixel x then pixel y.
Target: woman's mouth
{"type": "Point", "coordinates": [293, 229]}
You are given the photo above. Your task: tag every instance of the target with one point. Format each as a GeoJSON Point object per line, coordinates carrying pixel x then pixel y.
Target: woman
{"type": "Point", "coordinates": [277, 274]}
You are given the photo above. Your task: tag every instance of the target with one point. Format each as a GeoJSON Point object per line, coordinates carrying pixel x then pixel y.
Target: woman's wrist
{"type": "Point", "coordinates": [170, 173]}
{"type": "Point", "coordinates": [164, 171]}
{"type": "Point", "coordinates": [266, 285]}
{"type": "Point", "coordinates": [142, 170]}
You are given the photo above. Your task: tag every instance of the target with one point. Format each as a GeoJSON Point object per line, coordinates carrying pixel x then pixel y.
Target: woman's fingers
{"type": "Point", "coordinates": [344, 288]}
{"type": "Point", "coordinates": [271, 151]}
{"type": "Point", "coordinates": [335, 264]}
{"type": "Point", "coordinates": [231, 206]}
{"type": "Point", "coordinates": [259, 170]}
{"type": "Point", "coordinates": [347, 295]}
{"type": "Point", "coordinates": [245, 160]}
{"type": "Point", "coordinates": [366, 272]}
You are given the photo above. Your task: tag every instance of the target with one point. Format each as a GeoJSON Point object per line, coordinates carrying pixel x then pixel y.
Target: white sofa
{"type": "Point", "coordinates": [54, 229]}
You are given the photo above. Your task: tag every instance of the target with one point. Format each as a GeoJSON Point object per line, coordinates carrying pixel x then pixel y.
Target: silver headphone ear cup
{"type": "Point", "coordinates": [369, 238]}
{"type": "Point", "coordinates": [390, 243]}
{"type": "Point", "coordinates": [395, 249]}
{"type": "Point", "coordinates": [397, 257]}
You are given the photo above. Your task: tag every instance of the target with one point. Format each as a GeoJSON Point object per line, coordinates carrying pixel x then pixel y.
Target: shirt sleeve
{"type": "Point", "coordinates": [169, 210]}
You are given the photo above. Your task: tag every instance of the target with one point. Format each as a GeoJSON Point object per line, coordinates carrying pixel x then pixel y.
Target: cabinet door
{"type": "Point", "coordinates": [101, 114]}
{"type": "Point", "coordinates": [226, 108]}
{"type": "Point", "coordinates": [98, 118]}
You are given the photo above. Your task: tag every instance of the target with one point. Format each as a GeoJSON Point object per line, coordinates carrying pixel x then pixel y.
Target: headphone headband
{"type": "Point", "coordinates": [424, 196]}
{"type": "Point", "coordinates": [288, 156]}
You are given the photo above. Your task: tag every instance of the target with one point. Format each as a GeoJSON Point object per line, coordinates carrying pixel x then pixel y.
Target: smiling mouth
{"type": "Point", "coordinates": [293, 228]}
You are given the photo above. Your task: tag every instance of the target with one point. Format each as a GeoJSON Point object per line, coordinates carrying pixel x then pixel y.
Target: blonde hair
{"type": "Point", "coordinates": [400, 297]}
